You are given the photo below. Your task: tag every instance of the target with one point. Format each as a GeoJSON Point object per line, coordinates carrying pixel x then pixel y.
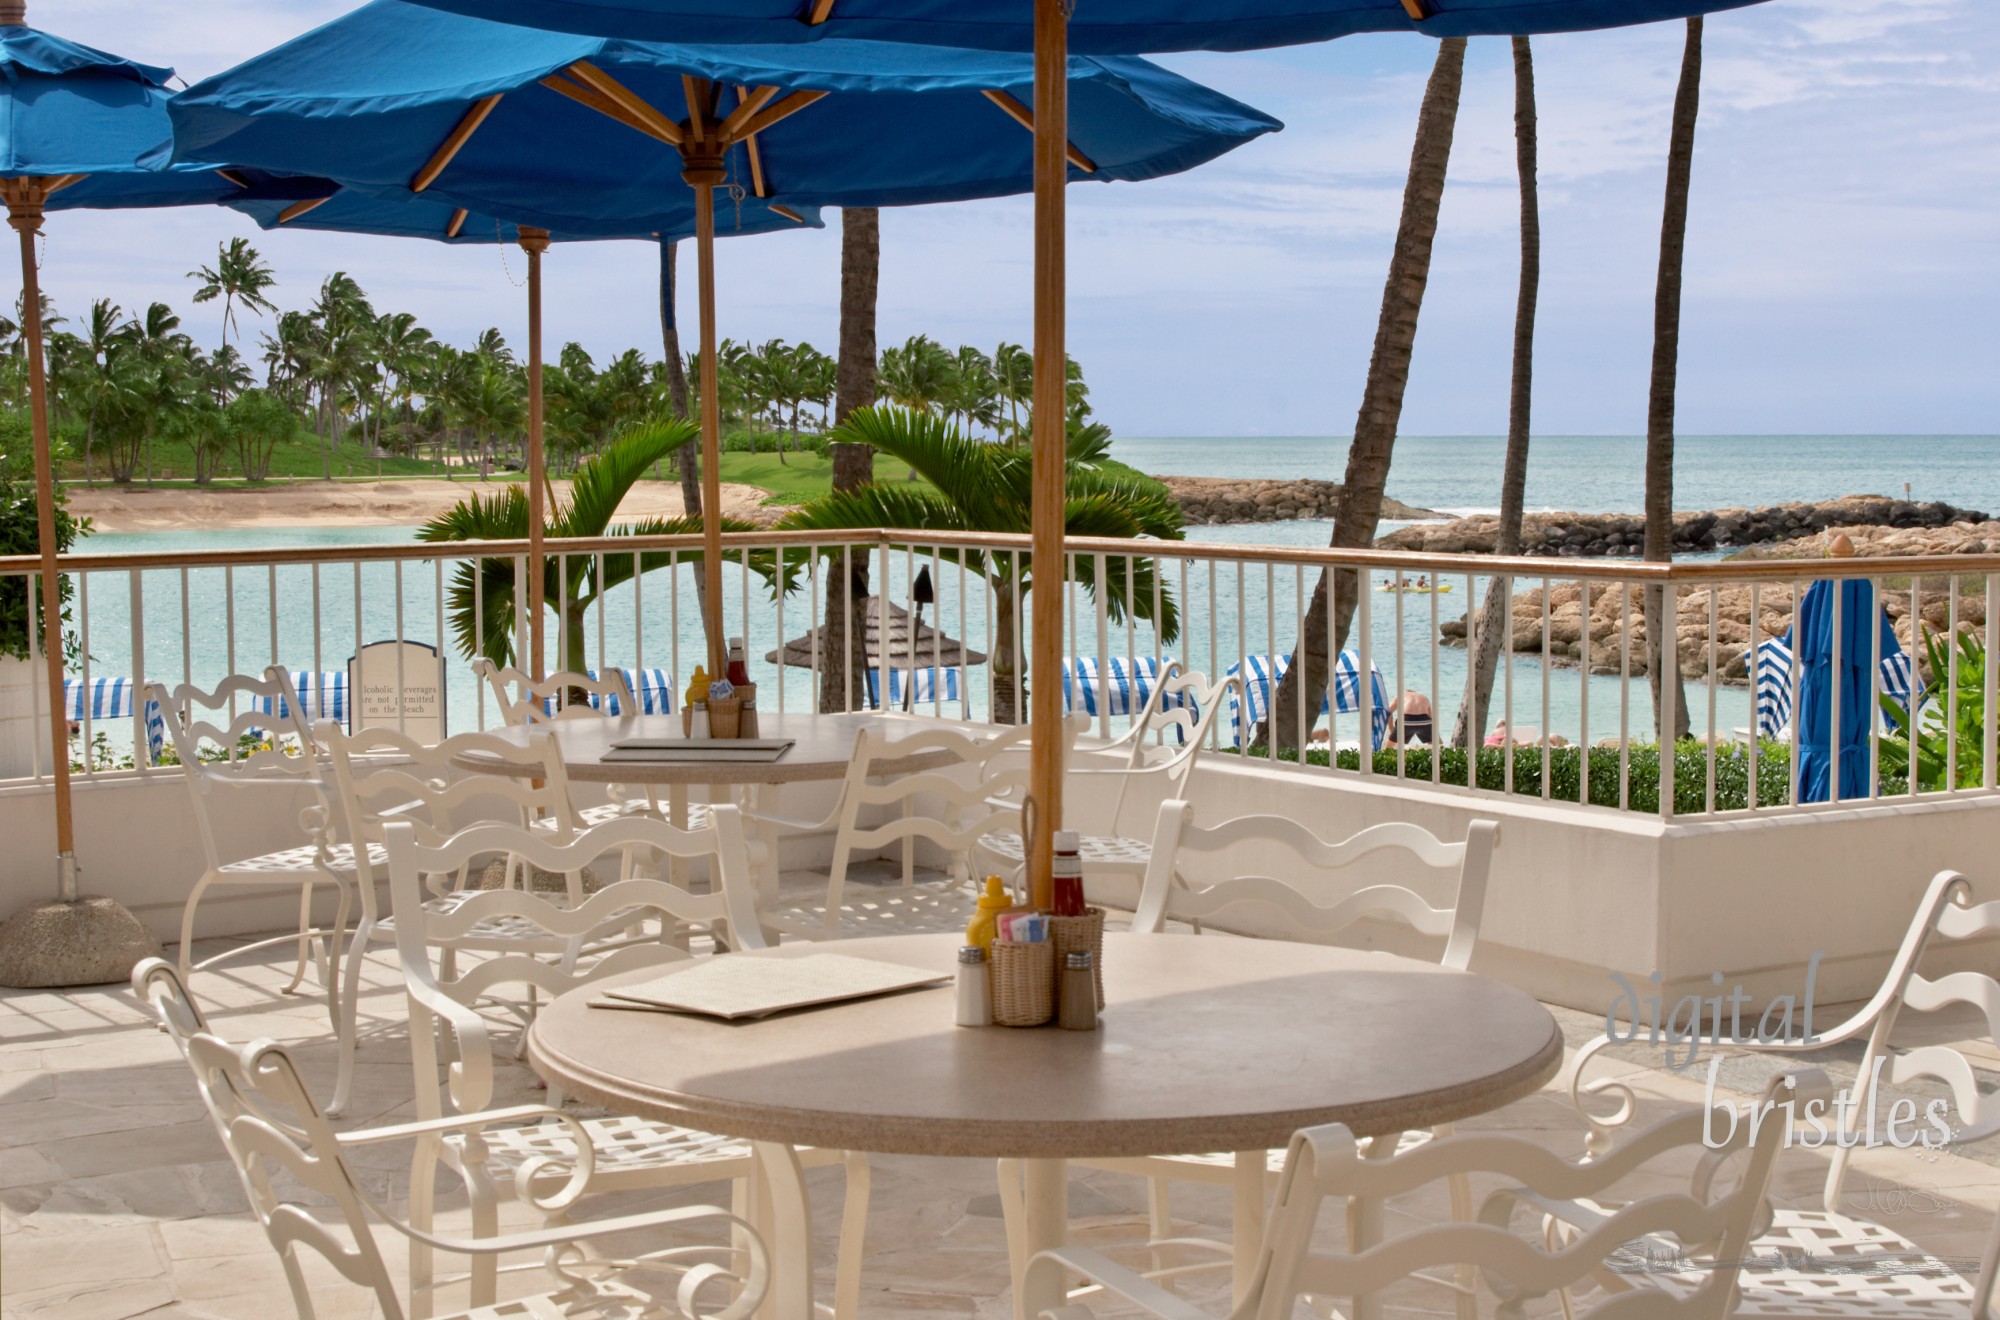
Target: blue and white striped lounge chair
{"type": "Point", "coordinates": [1126, 688]}
{"type": "Point", "coordinates": [652, 693]}
{"type": "Point", "coordinates": [1261, 673]}
{"type": "Point", "coordinates": [322, 696]}
{"type": "Point", "coordinates": [1774, 683]}
{"type": "Point", "coordinates": [102, 699]}
{"type": "Point", "coordinates": [926, 686]}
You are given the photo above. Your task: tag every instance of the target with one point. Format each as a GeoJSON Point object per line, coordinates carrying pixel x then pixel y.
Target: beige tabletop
{"type": "Point", "coordinates": [822, 747]}
{"type": "Point", "coordinates": [1208, 1043]}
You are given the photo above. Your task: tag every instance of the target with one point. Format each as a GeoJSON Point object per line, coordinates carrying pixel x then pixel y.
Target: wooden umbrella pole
{"type": "Point", "coordinates": [535, 242]}
{"type": "Point", "coordinates": [1050, 439]}
{"type": "Point", "coordinates": [24, 212]}
{"type": "Point", "coordinates": [702, 167]}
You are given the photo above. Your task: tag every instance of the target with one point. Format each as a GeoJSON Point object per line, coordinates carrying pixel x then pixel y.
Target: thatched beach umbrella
{"type": "Point", "coordinates": [928, 648]}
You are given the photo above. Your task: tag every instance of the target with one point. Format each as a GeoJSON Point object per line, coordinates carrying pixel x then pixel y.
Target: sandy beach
{"type": "Point", "coordinates": [389, 503]}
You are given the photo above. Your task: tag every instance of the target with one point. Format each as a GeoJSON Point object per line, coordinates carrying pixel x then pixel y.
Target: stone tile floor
{"type": "Point", "coordinates": [116, 1200]}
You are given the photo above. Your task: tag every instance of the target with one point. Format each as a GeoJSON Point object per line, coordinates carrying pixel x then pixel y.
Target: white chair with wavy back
{"type": "Point", "coordinates": [230, 752]}
{"type": "Point", "coordinates": [1266, 859]}
{"type": "Point", "coordinates": [1714, 1219]}
{"type": "Point", "coordinates": [380, 776]}
{"type": "Point", "coordinates": [463, 1005]}
{"type": "Point", "coordinates": [880, 809]}
{"type": "Point", "coordinates": [281, 1144]}
{"type": "Point", "coordinates": [522, 700]}
{"type": "Point", "coordinates": [1160, 751]}
{"type": "Point", "coordinates": [1836, 1285]}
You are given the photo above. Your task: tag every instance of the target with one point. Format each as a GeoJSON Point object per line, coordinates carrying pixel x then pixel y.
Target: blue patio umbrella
{"type": "Point", "coordinates": [1861, 626]}
{"type": "Point", "coordinates": [77, 129]}
{"type": "Point", "coordinates": [336, 208]}
{"type": "Point", "coordinates": [1128, 27]}
{"type": "Point", "coordinates": [545, 127]}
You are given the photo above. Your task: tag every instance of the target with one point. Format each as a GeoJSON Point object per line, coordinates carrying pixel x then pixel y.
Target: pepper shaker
{"type": "Point", "coordinates": [1077, 994]}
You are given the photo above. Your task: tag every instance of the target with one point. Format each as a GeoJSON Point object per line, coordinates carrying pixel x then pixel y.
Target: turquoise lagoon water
{"type": "Point", "coordinates": [252, 617]}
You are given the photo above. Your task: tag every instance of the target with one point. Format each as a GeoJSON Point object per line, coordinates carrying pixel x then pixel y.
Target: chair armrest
{"type": "Point", "coordinates": [452, 1123]}
{"type": "Point", "coordinates": [1115, 1280]}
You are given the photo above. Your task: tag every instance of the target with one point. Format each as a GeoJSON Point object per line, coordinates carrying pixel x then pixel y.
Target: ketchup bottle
{"type": "Point", "coordinates": [738, 672]}
{"type": "Point", "coordinates": [1066, 869]}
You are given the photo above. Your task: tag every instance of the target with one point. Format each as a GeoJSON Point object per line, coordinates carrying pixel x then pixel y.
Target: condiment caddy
{"type": "Point", "coordinates": [722, 707]}
{"type": "Point", "coordinates": [1021, 967]}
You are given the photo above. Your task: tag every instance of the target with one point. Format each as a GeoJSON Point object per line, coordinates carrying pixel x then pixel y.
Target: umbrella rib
{"type": "Point", "coordinates": [457, 223]}
{"type": "Point", "coordinates": [784, 108]}
{"type": "Point", "coordinates": [297, 209]}
{"type": "Point", "coordinates": [758, 184]}
{"type": "Point", "coordinates": [789, 214]}
{"type": "Point", "coordinates": [748, 103]}
{"type": "Point", "coordinates": [1417, 9]}
{"type": "Point", "coordinates": [821, 11]}
{"type": "Point", "coordinates": [234, 178]}
{"type": "Point", "coordinates": [50, 187]}
{"type": "Point", "coordinates": [458, 137]}
{"type": "Point", "coordinates": [605, 106]}
{"type": "Point", "coordinates": [627, 100]}
{"type": "Point", "coordinates": [696, 91]}
{"type": "Point", "coordinates": [1025, 117]}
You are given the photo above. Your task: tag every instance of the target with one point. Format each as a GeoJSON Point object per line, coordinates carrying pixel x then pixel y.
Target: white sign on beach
{"type": "Point", "coordinates": [398, 685]}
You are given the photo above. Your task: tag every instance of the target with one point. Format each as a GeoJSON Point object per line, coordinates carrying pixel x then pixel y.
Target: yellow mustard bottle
{"type": "Point", "coordinates": [984, 927]}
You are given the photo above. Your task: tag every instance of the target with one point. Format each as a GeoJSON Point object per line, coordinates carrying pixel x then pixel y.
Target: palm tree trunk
{"type": "Point", "coordinates": [844, 659]}
{"type": "Point", "coordinates": [860, 274]}
{"type": "Point", "coordinates": [689, 458]}
{"type": "Point", "coordinates": [1471, 724]}
{"type": "Point", "coordinates": [1006, 624]}
{"type": "Point", "coordinates": [1661, 624]}
{"type": "Point", "coordinates": [1359, 509]}
{"type": "Point", "coordinates": [842, 674]}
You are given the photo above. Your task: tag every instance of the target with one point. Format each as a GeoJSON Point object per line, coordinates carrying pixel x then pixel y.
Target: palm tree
{"type": "Point", "coordinates": [238, 275]}
{"type": "Point", "coordinates": [1360, 507]}
{"type": "Point", "coordinates": [91, 375]}
{"type": "Point", "coordinates": [688, 459]}
{"type": "Point", "coordinates": [1660, 620]}
{"type": "Point", "coordinates": [402, 346]}
{"type": "Point", "coordinates": [1014, 382]}
{"type": "Point", "coordinates": [481, 599]}
{"type": "Point", "coordinates": [973, 392]}
{"type": "Point", "coordinates": [980, 487]}
{"type": "Point", "coordinates": [917, 375]}
{"type": "Point", "coordinates": [1471, 725]}
{"type": "Point", "coordinates": [860, 274]}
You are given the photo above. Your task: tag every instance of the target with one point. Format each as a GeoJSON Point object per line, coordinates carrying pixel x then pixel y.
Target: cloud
{"type": "Point", "coordinates": [1841, 260]}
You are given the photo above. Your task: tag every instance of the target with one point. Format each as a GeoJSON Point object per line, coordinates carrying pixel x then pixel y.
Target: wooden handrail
{"type": "Point", "coordinates": [1708, 573]}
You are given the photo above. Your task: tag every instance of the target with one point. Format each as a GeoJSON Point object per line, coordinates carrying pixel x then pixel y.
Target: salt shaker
{"type": "Point", "coordinates": [975, 997]}
{"type": "Point", "coordinates": [1076, 995]}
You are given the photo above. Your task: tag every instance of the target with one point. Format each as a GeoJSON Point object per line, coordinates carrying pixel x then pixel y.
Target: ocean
{"type": "Point", "coordinates": [1606, 474]}
{"type": "Point", "coordinates": [1226, 615]}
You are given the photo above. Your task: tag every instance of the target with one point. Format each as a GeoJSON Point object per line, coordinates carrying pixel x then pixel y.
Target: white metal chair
{"type": "Point", "coordinates": [1923, 1287]}
{"type": "Point", "coordinates": [1159, 751]}
{"type": "Point", "coordinates": [973, 809]}
{"type": "Point", "coordinates": [379, 776]}
{"type": "Point", "coordinates": [1164, 899]}
{"type": "Point", "coordinates": [280, 1143]}
{"type": "Point", "coordinates": [522, 700]}
{"type": "Point", "coordinates": [229, 749]}
{"type": "Point", "coordinates": [630, 1152]}
{"type": "Point", "coordinates": [1713, 1218]}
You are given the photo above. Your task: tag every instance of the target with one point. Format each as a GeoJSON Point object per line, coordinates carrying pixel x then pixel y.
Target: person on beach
{"type": "Point", "coordinates": [1411, 719]}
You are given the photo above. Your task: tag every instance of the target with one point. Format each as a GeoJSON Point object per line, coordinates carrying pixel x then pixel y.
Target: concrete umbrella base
{"type": "Point", "coordinates": [92, 941]}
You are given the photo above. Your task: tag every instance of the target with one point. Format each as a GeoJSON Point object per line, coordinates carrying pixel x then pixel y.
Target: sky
{"type": "Point", "coordinates": [1843, 257]}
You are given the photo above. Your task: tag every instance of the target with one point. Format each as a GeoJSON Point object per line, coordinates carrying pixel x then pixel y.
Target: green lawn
{"type": "Point", "coordinates": [800, 477]}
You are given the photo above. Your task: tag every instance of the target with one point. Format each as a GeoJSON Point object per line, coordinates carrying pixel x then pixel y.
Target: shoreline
{"type": "Point", "coordinates": [388, 502]}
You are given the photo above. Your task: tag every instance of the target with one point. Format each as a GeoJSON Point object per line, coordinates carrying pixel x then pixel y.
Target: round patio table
{"type": "Point", "coordinates": [822, 745]}
{"type": "Point", "coordinates": [1208, 1043]}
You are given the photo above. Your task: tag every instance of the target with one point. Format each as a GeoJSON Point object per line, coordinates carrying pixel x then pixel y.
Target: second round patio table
{"type": "Point", "coordinates": [1207, 1043]}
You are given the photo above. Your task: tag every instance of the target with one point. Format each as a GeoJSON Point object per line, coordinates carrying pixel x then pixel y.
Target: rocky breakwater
{"type": "Point", "coordinates": [1594, 639]}
{"type": "Point", "coordinates": [1589, 535]}
{"type": "Point", "coordinates": [1212, 500]}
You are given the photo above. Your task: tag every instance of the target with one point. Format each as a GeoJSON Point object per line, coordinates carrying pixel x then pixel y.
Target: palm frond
{"type": "Point", "coordinates": [601, 484]}
{"type": "Point", "coordinates": [500, 516]}
{"type": "Point", "coordinates": [963, 470]}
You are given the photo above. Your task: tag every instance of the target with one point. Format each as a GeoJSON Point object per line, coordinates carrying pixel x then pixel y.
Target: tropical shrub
{"type": "Point", "coordinates": [1950, 708]}
{"type": "Point", "coordinates": [20, 535]}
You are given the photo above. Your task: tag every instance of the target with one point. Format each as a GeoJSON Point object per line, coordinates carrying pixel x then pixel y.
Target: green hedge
{"type": "Point", "coordinates": [1732, 773]}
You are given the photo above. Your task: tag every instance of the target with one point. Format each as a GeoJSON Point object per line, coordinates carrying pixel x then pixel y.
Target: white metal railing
{"type": "Point", "coordinates": [1570, 685]}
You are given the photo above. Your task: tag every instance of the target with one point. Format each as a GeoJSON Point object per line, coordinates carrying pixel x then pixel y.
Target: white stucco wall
{"type": "Point", "coordinates": [1574, 897]}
